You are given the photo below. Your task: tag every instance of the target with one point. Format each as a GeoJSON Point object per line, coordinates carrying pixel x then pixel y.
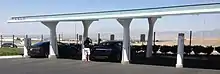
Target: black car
{"type": "Point", "coordinates": [11, 45]}
{"type": "Point", "coordinates": [41, 49]}
{"type": "Point", "coordinates": [110, 50]}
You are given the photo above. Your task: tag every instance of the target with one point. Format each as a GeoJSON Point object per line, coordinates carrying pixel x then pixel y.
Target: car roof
{"type": "Point", "coordinates": [45, 42]}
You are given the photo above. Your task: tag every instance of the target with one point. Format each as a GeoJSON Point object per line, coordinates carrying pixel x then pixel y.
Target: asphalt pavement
{"type": "Point", "coordinates": [69, 66]}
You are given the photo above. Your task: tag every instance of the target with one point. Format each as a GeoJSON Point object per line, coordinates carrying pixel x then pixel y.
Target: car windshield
{"type": "Point", "coordinates": [59, 43]}
{"type": "Point", "coordinates": [38, 44]}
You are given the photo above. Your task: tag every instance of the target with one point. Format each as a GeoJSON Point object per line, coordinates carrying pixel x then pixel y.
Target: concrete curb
{"type": "Point", "coordinates": [8, 57]}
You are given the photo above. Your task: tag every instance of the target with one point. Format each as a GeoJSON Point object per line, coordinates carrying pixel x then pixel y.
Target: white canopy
{"type": "Point", "coordinates": [132, 13]}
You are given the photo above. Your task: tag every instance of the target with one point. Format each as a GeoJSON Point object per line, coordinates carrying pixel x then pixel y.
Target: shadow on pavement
{"type": "Point", "coordinates": [203, 62]}
{"type": "Point", "coordinates": [190, 61]}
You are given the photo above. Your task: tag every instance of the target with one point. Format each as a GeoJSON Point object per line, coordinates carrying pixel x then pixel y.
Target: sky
{"type": "Point", "coordinates": [36, 7]}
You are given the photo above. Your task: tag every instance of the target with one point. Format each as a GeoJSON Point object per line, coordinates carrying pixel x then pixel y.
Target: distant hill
{"type": "Point", "coordinates": [167, 35]}
{"type": "Point", "coordinates": [135, 34]}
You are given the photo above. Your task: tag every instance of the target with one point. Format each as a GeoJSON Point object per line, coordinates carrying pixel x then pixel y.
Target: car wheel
{"type": "Point", "coordinates": [32, 56]}
{"type": "Point", "coordinates": [91, 58]}
{"type": "Point", "coordinates": [46, 55]}
{"type": "Point", "coordinates": [117, 58]}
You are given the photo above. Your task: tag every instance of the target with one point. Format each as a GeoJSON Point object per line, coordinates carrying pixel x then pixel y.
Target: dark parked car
{"type": "Point", "coordinates": [217, 49]}
{"type": "Point", "coordinates": [164, 49]}
{"type": "Point", "coordinates": [155, 48]}
{"type": "Point", "coordinates": [110, 50]}
{"type": "Point", "coordinates": [198, 49]}
{"type": "Point", "coordinates": [41, 49]}
{"type": "Point", "coordinates": [9, 45]}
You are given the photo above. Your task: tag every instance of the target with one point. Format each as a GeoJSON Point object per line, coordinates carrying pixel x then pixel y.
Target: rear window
{"type": "Point", "coordinates": [7, 44]}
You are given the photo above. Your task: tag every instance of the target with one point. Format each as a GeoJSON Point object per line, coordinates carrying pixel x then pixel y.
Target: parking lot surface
{"type": "Point", "coordinates": [68, 66]}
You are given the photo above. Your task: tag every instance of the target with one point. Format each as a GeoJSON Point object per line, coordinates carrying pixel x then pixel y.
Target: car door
{"type": "Point", "coordinates": [64, 50]}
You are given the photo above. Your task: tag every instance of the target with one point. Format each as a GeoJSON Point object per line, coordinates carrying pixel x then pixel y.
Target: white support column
{"type": "Point", "coordinates": [126, 40]}
{"type": "Point", "coordinates": [53, 52]}
{"type": "Point", "coordinates": [151, 21]}
{"type": "Point", "coordinates": [180, 51]}
{"type": "Point", "coordinates": [86, 24]}
{"type": "Point", "coordinates": [25, 46]}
